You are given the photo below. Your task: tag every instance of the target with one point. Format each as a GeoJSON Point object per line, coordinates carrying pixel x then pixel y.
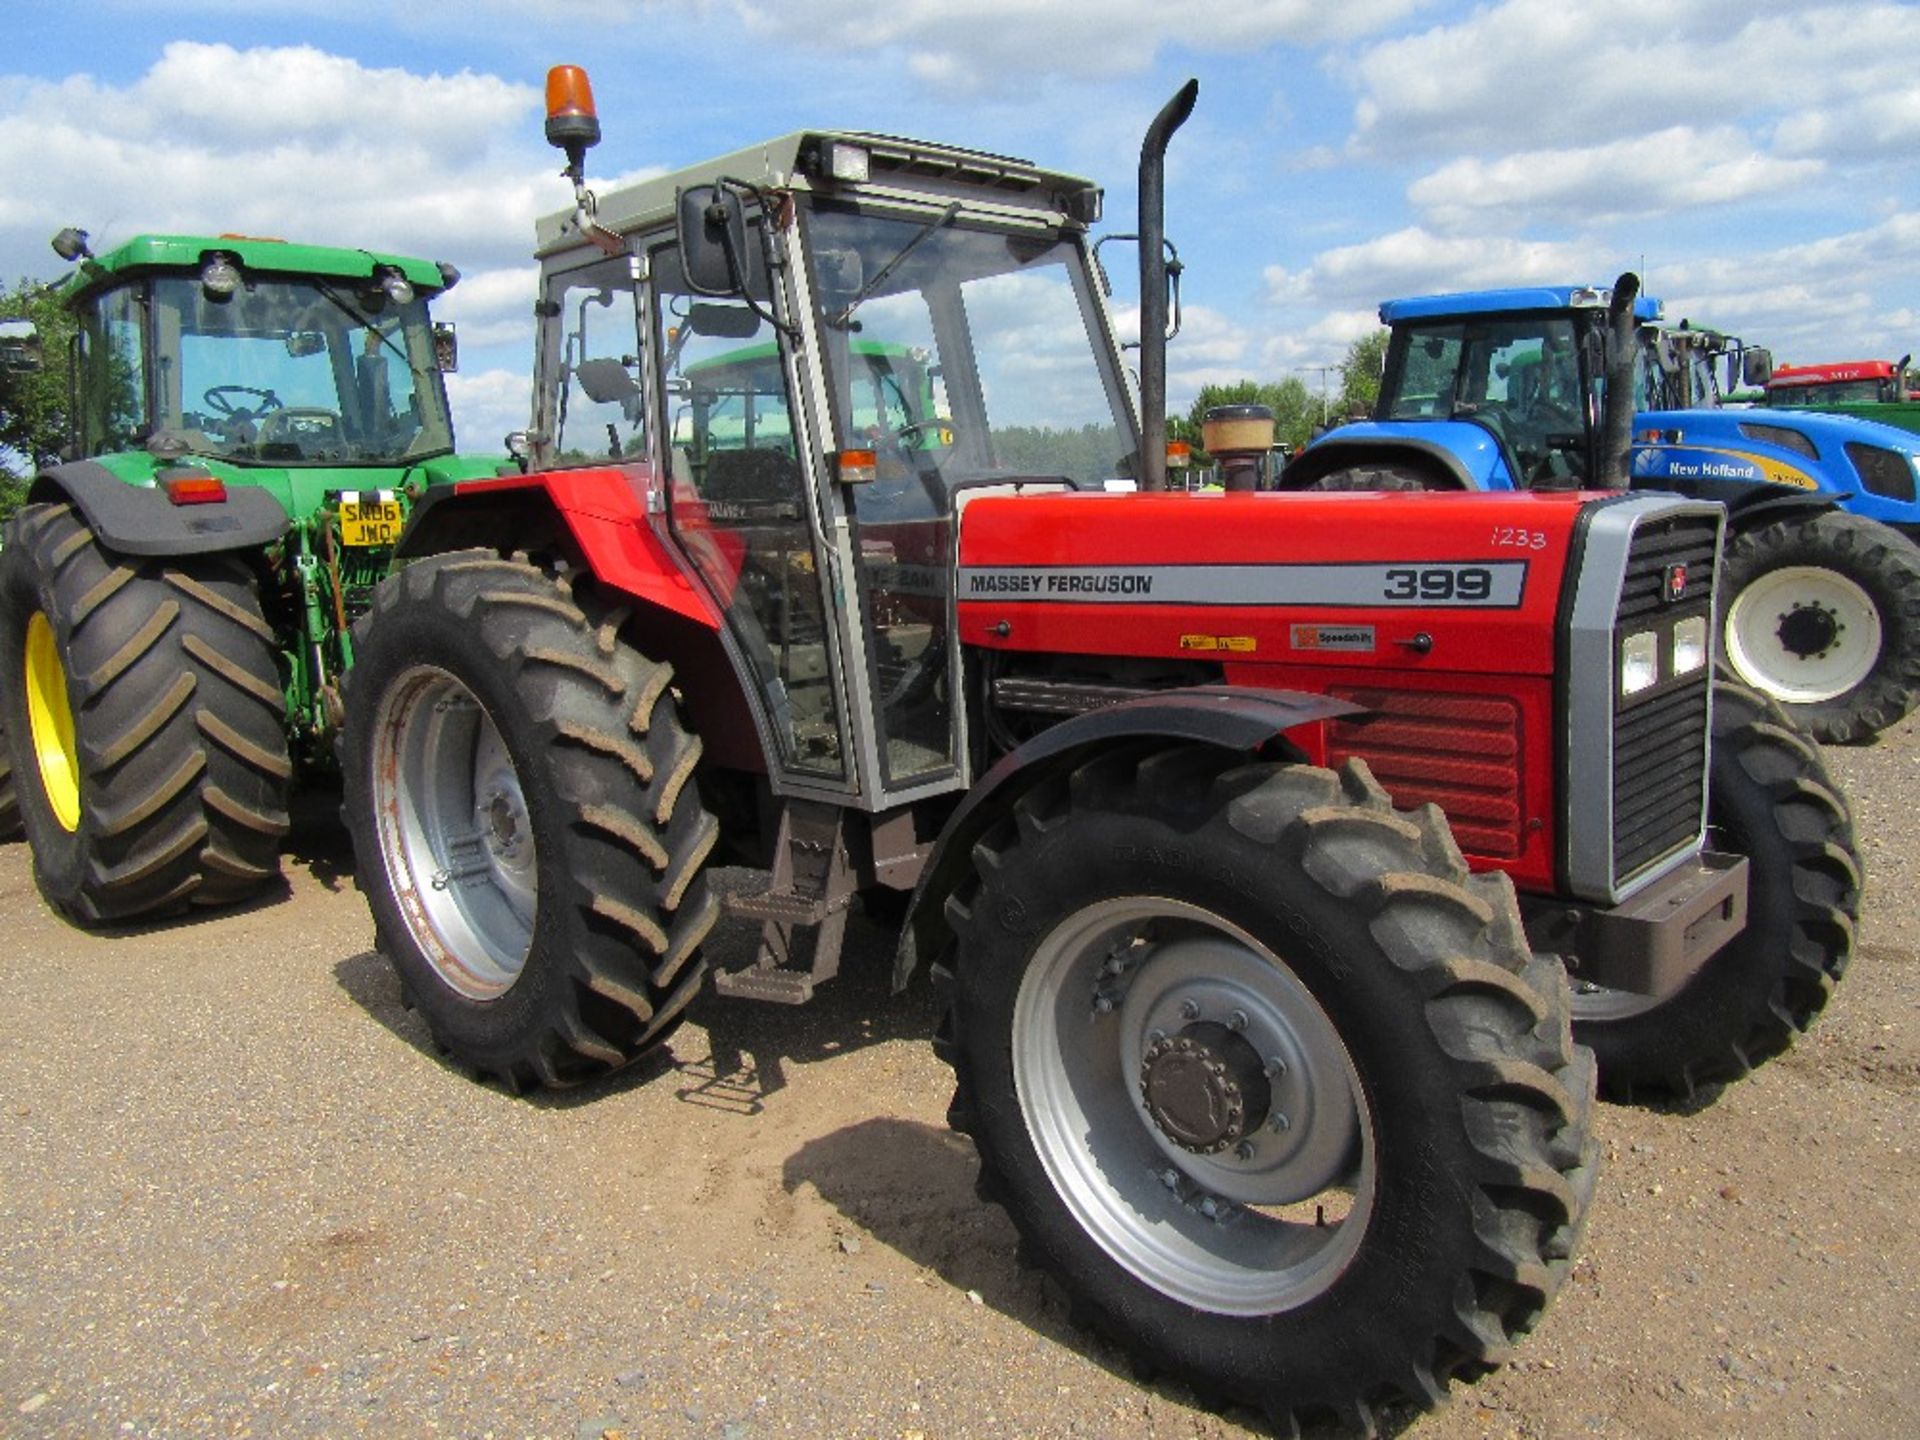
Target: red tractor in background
{"type": "Point", "coordinates": [1159, 785]}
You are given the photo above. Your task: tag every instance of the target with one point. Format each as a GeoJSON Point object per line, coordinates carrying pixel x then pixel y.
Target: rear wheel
{"type": "Point", "coordinates": [144, 722]}
{"type": "Point", "coordinates": [1770, 799]}
{"type": "Point", "coordinates": [1381, 475]}
{"type": "Point", "coordinates": [518, 787]}
{"type": "Point", "coordinates": [1266, 1080]}
{"type": "Point", "coordinates": [1823, 615]}
{"type": "Point", "coordinates": [10, 827]}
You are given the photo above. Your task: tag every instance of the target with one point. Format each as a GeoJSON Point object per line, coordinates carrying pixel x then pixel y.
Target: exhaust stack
{"type": "Point", "coordinates": [1153, 285]}
{"type": "Point", "coordinates": [1616, 422]}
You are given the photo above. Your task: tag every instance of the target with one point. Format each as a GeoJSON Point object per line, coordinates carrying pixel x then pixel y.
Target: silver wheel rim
{"type": "Point", "coordinates": [454, 832]}
{"type": "Point", "coordinates": [1763, 614]}
{"type": "Point", "coordinates": [1260, 1226]}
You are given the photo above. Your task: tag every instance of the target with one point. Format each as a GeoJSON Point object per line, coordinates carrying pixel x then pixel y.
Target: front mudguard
{"type": "Point", "coordinates": [1232, 717]}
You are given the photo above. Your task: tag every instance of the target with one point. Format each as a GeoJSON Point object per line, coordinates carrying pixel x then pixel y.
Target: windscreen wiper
{"type": "Point", "coordinates": [844, 316]}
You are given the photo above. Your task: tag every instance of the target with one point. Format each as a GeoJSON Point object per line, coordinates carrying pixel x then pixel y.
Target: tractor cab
{"type": "Point", "coordinates": [259, 353]}
{"type": "Point", "coordinates": [1527, 370]}
{"type": "Point", "coordinates": [808, 355]}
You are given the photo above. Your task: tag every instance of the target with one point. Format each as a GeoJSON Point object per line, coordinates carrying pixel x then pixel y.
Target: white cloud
{"type": "Point", "coordinates": [487, 406]}
{"type": "Point", "coordinates": [1605, 182]}
{"type": "Point", "coordinates": [1001, 45]}
{"type": "Point", "coordinates": [448, 166]}
{"type": "Point", "coordinates": [1416, 261]}
{"type": "Point", "coordinates": [1813, 301]}
{"type": "Point", "coordinates": [1539, 73]}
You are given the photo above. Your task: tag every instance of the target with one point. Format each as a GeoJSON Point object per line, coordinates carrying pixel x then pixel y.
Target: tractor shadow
{"type": "Point", "coordinates": [912, 1187]}
{"type": "Point", "coordinates": [749, 1046]}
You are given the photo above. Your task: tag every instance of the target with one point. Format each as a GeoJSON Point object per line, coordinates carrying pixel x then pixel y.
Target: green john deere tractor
{"type": "Point", "coordinates": [250, 422]}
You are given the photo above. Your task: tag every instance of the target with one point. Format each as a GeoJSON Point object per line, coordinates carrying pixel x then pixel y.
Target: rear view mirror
{"type": "Point", "coordinates": [724, 322]}
{"type": "Point", "coordinates": [302, 343]}
{"type": "Point", "coordinates": [446, 348]}
{"type": "Point", "coordinates": [1756, 366]}
{"type": "Point", "coordinates": [606, 382]}
{"type": "Point", "coordinates": [713, 240]}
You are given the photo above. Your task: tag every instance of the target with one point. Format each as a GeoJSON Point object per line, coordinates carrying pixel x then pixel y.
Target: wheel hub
{"type": "Point", "coordinates": [1809, 631]}
{"type": "Point", "coordinates": [1206, 1088]}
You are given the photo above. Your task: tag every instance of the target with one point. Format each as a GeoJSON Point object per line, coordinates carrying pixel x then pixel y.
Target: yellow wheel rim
{"type": "Point", "coordinates": [50, 719]}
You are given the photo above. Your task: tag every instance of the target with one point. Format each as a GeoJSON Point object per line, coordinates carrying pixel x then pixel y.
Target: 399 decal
{"type": "Point", "coordinates": [1469, 583]}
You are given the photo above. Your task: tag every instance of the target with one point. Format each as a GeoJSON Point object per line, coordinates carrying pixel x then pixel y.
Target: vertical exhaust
{"type": "Point", "coordinates": [1616, 422]}
{"type": "Point", "coordinates": [1153, 285]}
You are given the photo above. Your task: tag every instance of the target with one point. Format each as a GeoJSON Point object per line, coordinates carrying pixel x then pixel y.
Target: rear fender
{"type": "Point", "coordinates": [598, 510]}
{"type": "Point", "coordinates": [1479, 468]}
{"type": "Point", "coordinates": [140, 520]}
{"type": "Point", "coordinates": [1750, 503]}
{"type": "Point", "coordinates": [1231, 717]}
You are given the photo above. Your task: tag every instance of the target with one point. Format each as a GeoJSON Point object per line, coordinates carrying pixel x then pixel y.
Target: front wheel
{"type": "Point", "coordinates": [1823, 615]}
{"type": "Point", "coordinates": [518, 787]}
{"type": "Point", "coordinates": [1769, 798]}
{"type": "Point", "coordinates": [1266, 1080]}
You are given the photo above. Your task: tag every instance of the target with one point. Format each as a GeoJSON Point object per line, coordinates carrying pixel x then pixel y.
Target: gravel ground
{"type": "Point", "coordinates": [239, 1195]}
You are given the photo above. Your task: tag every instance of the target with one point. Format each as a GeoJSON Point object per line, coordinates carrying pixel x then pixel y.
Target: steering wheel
{"type": "Point", "coordinates": [218, 400]}
{"type": "Point", "coordinates": [939, 425]}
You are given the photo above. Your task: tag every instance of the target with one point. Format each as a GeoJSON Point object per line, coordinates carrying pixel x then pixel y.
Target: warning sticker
{"type": "Point", "coordinates": [1239, 644]}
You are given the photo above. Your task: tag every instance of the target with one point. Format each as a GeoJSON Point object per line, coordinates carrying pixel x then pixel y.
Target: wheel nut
{"type": "Point", "coordinates": [1237, 1020]}
{"type": "Point", "coordinates": [1189, 1009]}
{"type": "Point", "coordinates": [1276, 1067]}
{"type": "Point", "coordinates": [1244, 1150]}
{"type": "Point", "coordinates": [1279, 1123]}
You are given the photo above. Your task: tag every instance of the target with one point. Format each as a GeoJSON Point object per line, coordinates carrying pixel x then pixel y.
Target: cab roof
{"type": "Point", "coordinates": [798, 160]}
{"type": "Point", "coordinates": [1496, 302]}
{"type": "Point", "coordinates": [147, 253]}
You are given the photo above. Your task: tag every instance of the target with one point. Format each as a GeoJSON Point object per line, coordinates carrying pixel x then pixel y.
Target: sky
{"type": "Point", "coordinates": [1758, 163]}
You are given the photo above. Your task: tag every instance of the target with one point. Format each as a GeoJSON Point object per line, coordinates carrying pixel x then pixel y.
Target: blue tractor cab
{"type": "Point", "coordinates": [1507, 390]}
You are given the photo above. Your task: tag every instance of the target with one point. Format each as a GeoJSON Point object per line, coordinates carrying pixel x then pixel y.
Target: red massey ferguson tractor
{"type": "Point", "coordinates": [1207, 812]}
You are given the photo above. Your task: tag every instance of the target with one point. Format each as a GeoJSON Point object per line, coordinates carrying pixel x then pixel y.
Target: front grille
{"type": "Point", "coordinates": [1660, 734]}
{"type": "Point", "coordinates": [1461, 752]}
{"type": "Point", "coordinates": [1884, 472]}
{"type": "Point", "coordinates": [1780, 435]}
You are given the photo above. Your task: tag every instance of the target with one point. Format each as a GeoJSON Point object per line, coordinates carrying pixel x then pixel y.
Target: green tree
{"type": "Point", "coordinates": [1294, 411]}
{"type": "Point", "coordinates": [33, 403]}
{"type": "Point", "coordinates": [1360, 374]}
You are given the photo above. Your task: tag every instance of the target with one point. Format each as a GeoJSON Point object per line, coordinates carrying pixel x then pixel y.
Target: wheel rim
{"type": "Point", "coordinates": [50, 723]}
{"type": "Point", "coordinates": [454, 832]}
{"type": "Point", "coordinates": [1237, 1214]}
{"type": "Point", "coordinates": [1803, 634]}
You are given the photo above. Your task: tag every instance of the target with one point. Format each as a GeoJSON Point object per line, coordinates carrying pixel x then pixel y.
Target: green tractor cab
{"type": "Point", "coordinates": [250, 424]}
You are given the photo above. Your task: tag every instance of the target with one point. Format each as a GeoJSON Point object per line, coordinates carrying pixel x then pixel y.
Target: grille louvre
{"type": "Point", "coordinates": [1660, 737]}
{"type": "Point", "coordinates": [1884, 472]}
{"type": "Point", "coordinates": [1460, 752]}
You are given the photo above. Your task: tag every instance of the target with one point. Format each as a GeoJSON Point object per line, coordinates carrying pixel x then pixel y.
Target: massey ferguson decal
{"type": "Point", "coordinates": [1490, 584]}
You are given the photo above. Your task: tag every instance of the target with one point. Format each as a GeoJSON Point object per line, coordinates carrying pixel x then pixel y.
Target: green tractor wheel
{"type": "Point", "coordinates": [144, 723]}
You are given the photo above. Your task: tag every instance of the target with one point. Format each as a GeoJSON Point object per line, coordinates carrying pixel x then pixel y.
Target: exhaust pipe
{"type": "Point", "coordinates": [1616, 423]}
{"type": "Point", "coordinates": [1153, 285]}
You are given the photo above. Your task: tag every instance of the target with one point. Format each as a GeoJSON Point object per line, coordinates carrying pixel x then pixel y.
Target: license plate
{"type": "Point", "coordinates": [370, 523]}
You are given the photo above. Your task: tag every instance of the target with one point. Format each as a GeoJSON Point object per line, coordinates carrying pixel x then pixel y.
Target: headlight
{"type": "Point", "coordinates": [1639, 662]}
{"type": "Point", "coordinates": [1689, 645]}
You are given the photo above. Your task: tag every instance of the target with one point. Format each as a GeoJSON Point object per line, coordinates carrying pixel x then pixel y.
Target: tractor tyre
{"type": "Point", "coordinates": [1823, 615]}
{"type": "Point", "coordinates": [1266, 1080]}
{"type": "Point", "coordinates": [518, 788]}
{"type": "Point", "coordinates": [142, 707]}
{"type": "Point", "coordinates": [10, 826]}
{"type": "Point", "coordinates": [1769, 798]}
{"type": "Point", "coordinates": [1380, 475]}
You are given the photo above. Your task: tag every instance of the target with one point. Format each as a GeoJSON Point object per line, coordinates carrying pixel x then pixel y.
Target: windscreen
{"type": "Point", "coordinates": [297, 372]}
{"type": "Point", "coordinates": [958, 352]}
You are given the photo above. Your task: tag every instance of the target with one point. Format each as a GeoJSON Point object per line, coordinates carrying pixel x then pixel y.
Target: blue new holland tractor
{"type": "Point", "coordinates": [1509, 390]}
